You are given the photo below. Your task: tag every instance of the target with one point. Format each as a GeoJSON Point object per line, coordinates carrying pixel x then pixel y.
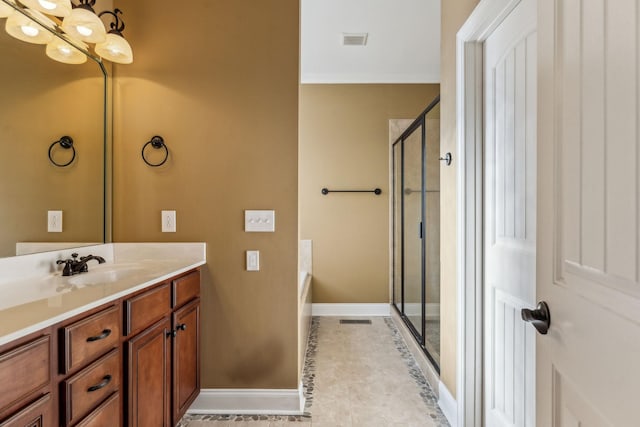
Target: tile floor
{"type": "Point", "coordinates": [355, 376]}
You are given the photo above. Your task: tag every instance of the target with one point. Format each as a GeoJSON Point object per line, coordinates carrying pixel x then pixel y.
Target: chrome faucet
{"type": "Point", "coordinates": [74, 266]}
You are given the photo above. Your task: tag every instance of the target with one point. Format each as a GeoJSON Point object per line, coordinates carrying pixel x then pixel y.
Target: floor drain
{"type": "Point", "coordinates": [355, 321]}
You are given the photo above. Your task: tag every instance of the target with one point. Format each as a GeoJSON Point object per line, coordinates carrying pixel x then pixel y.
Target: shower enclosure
{"type": "Point", "coordinates": [416, 229]}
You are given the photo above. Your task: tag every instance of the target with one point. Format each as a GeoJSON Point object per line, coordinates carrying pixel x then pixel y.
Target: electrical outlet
{"type": "Point", "coordinates": [253, 260]}
{"type": "Point", "coordinates": [54, 221]}
{"type": "Point", "coordinates": [168, 221]}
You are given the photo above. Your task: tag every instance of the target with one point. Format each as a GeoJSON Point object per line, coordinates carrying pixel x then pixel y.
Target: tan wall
{"type": "Point", "coordinates": [454, 14]}
{"type": "Point", "coordinates": [219, 81]}
{"type": "Point", "coordinates": [42, 100]}
{"type": "Point", "coordinates": [344, 143]}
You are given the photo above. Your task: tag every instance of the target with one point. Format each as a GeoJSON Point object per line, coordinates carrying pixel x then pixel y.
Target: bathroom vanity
{"type": "Point", "coordinates": [119, 345]}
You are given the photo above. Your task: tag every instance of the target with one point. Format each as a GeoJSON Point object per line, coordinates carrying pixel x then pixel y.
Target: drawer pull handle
{"type": "Point", "coordinates": [105, 380]}
{"type": "Point", "coordinates": [102, 336]}
{"type": "Point", "coordinates": [182, 327]}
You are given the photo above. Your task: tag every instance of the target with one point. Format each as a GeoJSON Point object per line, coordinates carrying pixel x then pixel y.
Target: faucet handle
{"type": "Point", "coordinates": [67, 270]}
{"type": "Point", "coordinates": [74, 256]}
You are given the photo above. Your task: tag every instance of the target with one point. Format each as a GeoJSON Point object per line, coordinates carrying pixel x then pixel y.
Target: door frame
{"type": "Point", "coordinates": [469, 216]}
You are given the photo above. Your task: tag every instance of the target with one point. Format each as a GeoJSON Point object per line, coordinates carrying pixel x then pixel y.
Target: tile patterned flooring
{"type": "Point", "coordinates": [355, 376]}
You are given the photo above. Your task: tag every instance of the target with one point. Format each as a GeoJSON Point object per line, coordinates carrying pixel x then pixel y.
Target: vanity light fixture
{"type": "Point", "coordinates": [115, 48]}
{"type": "Point", "coordinates": [50, 7]}
{"type": "Point", "coordinates": [23, 28]}
{"type": "Point", "coordinates": [84, 24]}
{"type": "Point", "coordinates": [38, 21]}
{"type": "Point", "coordinates": [62, 51]}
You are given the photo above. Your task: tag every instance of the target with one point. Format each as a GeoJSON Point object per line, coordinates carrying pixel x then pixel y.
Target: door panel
{"type": "Point", "coordinates": [412, 241]}
{"type": "Point", "coordinates": [397, 225]}
{"type": "Point", "coordinates": [587, 367]}
{"type": "Point", "coordinates": [510, 218]}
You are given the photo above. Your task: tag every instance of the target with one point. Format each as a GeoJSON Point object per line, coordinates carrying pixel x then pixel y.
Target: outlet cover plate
{"type": "Point", "coordinates": [260, 221]}
{"type": "Point", "coordinates": [168, 221]}
{"type": "Point", "coordinates": [54, 221]}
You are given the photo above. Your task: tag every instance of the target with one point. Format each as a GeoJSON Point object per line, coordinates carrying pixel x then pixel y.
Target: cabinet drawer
{"type": "Point", "coordinates": [185, 288]}
{"type": "Point", "coordinates": [147, 308]}
{"type": "Point", "coordinates": [91, 386]}
{"type": "Point", "coordinates": [24, 370]}
{"type": "Point", "coordinates": [38, 414]}
{"type": "Point", "coordinates": [90, 337]}
{"type": "Point", "coordinates": [105, 415]}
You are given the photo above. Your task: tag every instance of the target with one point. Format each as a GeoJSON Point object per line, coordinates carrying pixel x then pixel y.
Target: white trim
{"type": "Point", "coordinates": [325, 309]}
{"type": "Point", "coordinates": [447, 404]}
{"type": "Point", "coordinates": [358, 78]}
{"type": "Point", "coordinates": [469, 108]}
{"type": "Point", "coordinates": [249, 402]}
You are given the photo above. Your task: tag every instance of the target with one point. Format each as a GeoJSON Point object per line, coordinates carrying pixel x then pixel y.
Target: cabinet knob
{"type": "Point", "coordinates": [172, 333]}
{"type": "Point", "coordinates": [182, 326]}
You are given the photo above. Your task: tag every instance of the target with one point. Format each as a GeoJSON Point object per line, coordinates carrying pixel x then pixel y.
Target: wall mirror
{"type": "Point", "coordinates": [42, 101]}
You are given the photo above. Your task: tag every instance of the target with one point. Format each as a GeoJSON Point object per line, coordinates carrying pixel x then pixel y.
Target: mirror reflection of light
{"type": "Point", "coordinates": [30, 31]}
{"type": "Point", "coordinates": [85, 31]}
{"type": "Point", "coordinates": [47, 4]}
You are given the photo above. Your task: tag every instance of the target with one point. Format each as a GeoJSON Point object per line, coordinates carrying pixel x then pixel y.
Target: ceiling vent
{"type": "Point", "coordinates": [354, 39]}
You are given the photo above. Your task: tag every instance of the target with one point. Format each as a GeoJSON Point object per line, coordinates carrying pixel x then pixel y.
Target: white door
{"type": "Point", "coordinates": [510, 218]}
{"type": "Point", "coordinates": [588, 366]}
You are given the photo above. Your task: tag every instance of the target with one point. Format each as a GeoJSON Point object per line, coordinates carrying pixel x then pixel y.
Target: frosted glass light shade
{"type": "Point", "coordinates": [22, 28]}
{"type": "Point", "coordinates": [115, 49]}
{"type": "Point", "coordinates": [50, 7]}
{"type": "Point", "coordinates": [5, 10]}
{"type": "Point", "coordinates": [62, 51]}
{"type": "Point", "coordinates": [84, 25]}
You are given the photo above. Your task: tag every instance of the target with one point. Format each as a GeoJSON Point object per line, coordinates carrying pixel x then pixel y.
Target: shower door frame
{"type": "Point", "coordinates": [399, 306]}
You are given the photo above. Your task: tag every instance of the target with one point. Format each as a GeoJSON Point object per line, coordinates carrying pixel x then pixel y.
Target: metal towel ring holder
{"type": "Point", "coordinates": [156, 142]}
{"type": "Point", "coordinates": [65, 142]}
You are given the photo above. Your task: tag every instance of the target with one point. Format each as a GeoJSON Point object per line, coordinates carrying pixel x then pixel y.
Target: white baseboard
{"type": "Point", "coordinates": [249, 402]}
{"type": "Point", "coordinates": [324, 309]}
{"type": "Point", "coordinates": [448, 404]}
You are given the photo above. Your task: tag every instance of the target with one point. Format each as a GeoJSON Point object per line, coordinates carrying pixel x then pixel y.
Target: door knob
{"type": "Point", "coordinates": [540, 318]}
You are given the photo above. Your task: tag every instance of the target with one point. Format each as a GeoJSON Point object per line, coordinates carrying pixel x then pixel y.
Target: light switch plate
{"type": "Point", "coordinates": [260, 221]}
{"type": "Point", "coordinates": [54, 221]}
{"type": "Point", "coordinates": [168, 221]}
{"type": "Point", "coordinates": [253, 260]}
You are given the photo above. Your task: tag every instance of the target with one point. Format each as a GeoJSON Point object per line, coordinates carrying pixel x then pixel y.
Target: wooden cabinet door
{"type": "Point", "coordinates": [149, 377]}
{"type": "Point", "coordinates": [38, 414]}
{"type": "Point", "coordinates": [186, 358]}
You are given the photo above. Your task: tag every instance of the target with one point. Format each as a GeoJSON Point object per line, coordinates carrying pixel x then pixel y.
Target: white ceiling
{"type": "Point", "coordinates": [403, 45]}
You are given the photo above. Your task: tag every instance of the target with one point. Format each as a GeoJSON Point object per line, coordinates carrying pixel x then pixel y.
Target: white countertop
{"type": "Point", "coordinates": [36, 301]}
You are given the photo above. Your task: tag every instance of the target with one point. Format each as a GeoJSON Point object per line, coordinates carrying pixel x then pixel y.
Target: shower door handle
{"type": "Point", "coordinates": [420, 230]}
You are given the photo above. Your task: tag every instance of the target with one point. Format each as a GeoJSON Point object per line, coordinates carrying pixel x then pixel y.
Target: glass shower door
{"type": "Point", "coordinates": [416, 229]}
{"type": "Point", "coordinates": [432, 233]}
{"type": "Point", "coordinates": [412, 231]}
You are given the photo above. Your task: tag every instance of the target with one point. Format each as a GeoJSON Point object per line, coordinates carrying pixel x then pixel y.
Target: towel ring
{"type": "Point", "coordinates": [65, 142]}
{"type": "Point", "coordinates": [156, 142]}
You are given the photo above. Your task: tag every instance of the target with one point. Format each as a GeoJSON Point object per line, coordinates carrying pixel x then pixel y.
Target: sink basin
{"type": "Point", "coordinates": [103, 276]}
